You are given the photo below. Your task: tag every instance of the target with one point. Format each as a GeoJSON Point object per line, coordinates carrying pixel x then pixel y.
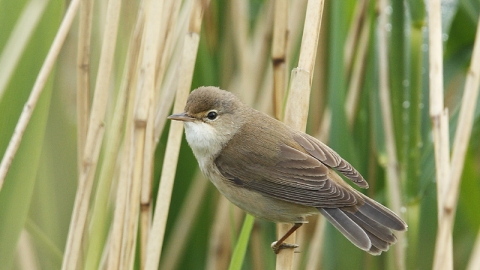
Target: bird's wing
{"type": "Point", "coordinates": [291, 175]}
{"type": "Point", "coordinates": [327, 156]}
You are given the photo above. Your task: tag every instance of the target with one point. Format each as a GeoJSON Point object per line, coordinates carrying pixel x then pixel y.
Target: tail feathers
{"type": "Point", "coordinates": [372, 226]}
{"type": "Point", "coordinates": [378, 243]}
{"type": "Point", "coordinates": [368, 227]}
{"type": "Point", "coordinates": [347, 227]}
{"type": "Point", "coordinates": [382, 215]}
{"type": "Point", "coordinates": [375, 251]}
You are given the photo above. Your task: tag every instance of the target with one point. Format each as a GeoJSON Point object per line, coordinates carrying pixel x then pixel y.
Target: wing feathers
{"type": "Point", "coordinates": [330, 158]}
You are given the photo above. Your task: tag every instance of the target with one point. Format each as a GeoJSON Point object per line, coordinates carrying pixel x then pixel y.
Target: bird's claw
{"type": "Point", "coordinates": [277, 247]}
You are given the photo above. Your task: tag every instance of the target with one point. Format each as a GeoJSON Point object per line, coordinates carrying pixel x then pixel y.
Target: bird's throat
{"type": "Point", "coordinates": [204, 140]}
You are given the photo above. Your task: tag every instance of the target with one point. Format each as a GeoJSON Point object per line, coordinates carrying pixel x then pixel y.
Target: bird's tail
{"type": "Point", "coordinates": [369, 226]}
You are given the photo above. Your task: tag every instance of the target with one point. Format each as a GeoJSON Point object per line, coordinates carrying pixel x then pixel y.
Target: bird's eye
{"type": "Point", "coordinates": [212, 115]}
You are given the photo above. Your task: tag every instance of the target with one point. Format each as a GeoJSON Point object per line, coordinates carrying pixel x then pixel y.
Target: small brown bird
{"type": "Point", "coordinates": [279, 174]}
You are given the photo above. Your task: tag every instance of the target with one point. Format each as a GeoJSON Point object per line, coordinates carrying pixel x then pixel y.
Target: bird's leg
{"type": "Point", "coordinates": [279, 244]}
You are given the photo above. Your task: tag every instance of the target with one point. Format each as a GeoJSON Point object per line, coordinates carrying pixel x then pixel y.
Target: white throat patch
{"type": "Point", "coordinates": [203, 139]}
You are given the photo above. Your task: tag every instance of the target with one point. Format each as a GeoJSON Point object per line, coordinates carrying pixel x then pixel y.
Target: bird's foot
{"type": "Point", "coordinates": [278, 246]}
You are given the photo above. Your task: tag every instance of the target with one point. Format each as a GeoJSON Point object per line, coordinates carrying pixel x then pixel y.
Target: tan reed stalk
{"type": "Point", "coordinates": [315, 252]}
{"type": "Point", "coordinates": [318, 95]}
{"type": "Point", "coordinates": [474, 262]}
{"type": "Point", "coordinates": [116, 238]}
{"type": "Point", "coordinates": [220, 245]}
{"type": "Point", "coordinates": [249, 79]}
{"type": "Point", "coordinates": [393, 175]}
{"type": "Point", "coordinates": [303, 238]}
{"type": "Point", "coordinates": [184, 222]}
{"type": "Point", "coordinates": [83, 75]}
{"type": "Point", "coordinates": [164, 39]}
{"type": "Point", "coordinates": [437, 109]}
{"type": "Point", "coordinates": [357, 26]}
{"type": "Point", "coordinates": [167, 36]}
{"type": "Point", "coordinates": [37, 90]}
{"type": "Point", "coordinates": [18, 40]}
{"type": "Point", "coordinates": [26, 257]}
{"type": "Point", "coordinates": [114, 243]}
{"type": "Point", "coordinates": [187, 64]}
{"type": "Point", "coordinates": [295, 28]}
{"type": "Point", "coordinates": [166, 97]}
{"type": "Point", "coordinates": [264, 100]}
{"type": "Point", "coordinates": [465, 123]}
{"type": "Point", "coordinates": [355, 82]}
{"type": "Point", "coordinates": [163, 102]}
{"type": "Point", "coordinates": [240, 21]}
{"type": "Point", "coordinates": [296, 109]}
{"type": "Point", "coordinates": [169, 76]}
{"type": "Point", "coordinates": [94, 139]}
{"type": "Point", "coordinates": [260, 48]}
{"type": "Point", "coordinates": [131, 217]}
{"type": "Point", "coordinates": [143, 136]}
{"type": "Point", "coordinates": [256, 250]}
{"type": "Point", "coordinates": [439, 117]}
{"type": "Point", "coordinates": [279, 51]}
{"type": "Point", "coordinates": [166, 75]}
{"type": "Point", "coordinates": [99, 215]}
{"type": "Point", "coordinates": [459, 148]}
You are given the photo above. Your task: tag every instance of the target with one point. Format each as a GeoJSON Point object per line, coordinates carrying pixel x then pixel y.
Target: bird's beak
{"type": "Point", "coordinates": [181, 117]}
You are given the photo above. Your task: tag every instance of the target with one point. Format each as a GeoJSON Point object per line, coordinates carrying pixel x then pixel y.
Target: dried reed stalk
{"type": "Point", "coordinates": [22, 32]}
{"type": "Point", "coordinates": [296, 109]}
{"type": "Point", "coordinates": [138, 136]}
{"type": "Point", "coordinates": [450, 191]}
{"type": "Point", "coordinates": [26, 255]}
{"type": "Point", "coordinates": [393, 175]}
{"type": "Point", "coordinates": [279, 51]}
{"type": "Point", "coordinates": [174, 29]}
{"type": "Point", "coordinates": [357, 26]}
{"type": "Point", "coordinates": [116, 238]}
{"type": "Point", "coordinates": [315, 252]}
{"type": "Point", "coordinates": [154, 42]}
{"type": "Point", "coordinates": [83, 75]}
{"type": "Point", "coordinates": [439, 117]}
{"type": "Point", "coordinates": [184, 222]}
{"type": "Point", "coordinates": [260, 49]}
{"type": "Point", "coordinates": [220, 245]}
{"type": "Point", "coordinates": [37, 90]}
{"type": "Point", "coordinates": [168, 76]}
{"type": "Point", "coordinates": [355, 82]}
{"type": "Point", "coordinates": [94, 138]}
{"type": "Point", "coordinates": [474, 262]}
{"type": "Point", "coordinates": [174, 138]}
{"type": "Point", "coordinates": [240, 23]}
{"type": "Point", "coordinates": [99, 215]}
